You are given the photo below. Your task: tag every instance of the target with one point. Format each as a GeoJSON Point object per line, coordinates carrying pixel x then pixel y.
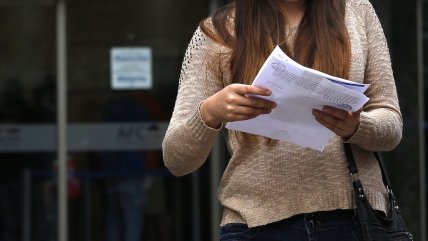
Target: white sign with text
{"type": "Point", "coordinates": [131, 68]}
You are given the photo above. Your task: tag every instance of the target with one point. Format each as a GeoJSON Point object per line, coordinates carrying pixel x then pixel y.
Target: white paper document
{"type": "Point", "coordinates": [297, 90]}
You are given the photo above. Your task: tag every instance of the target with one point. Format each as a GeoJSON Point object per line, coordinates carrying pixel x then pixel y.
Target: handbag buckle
{"type": "Point", "coordinates": [355, 176]}
{"type": "Point", "coordinates": [389, 190]}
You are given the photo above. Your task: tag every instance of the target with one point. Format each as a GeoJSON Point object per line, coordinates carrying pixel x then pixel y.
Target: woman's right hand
{"type": "Point", "coordinates": [234, 103]}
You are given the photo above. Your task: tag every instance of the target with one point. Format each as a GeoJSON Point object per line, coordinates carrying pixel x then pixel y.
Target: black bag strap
{"type": "Point", "coordinates": [352, 166]}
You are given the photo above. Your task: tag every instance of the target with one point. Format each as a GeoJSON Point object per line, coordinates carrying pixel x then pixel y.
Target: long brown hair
{"type": "Point", "coordinates": [252, 28]}
{"type": "Point", "coordinates": [321, 42]}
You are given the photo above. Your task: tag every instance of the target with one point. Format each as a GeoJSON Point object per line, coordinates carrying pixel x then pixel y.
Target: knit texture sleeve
{"type": "Point", "coordinates": [188, 140]}
{"type": "Point", "coordinates": [381, 123]}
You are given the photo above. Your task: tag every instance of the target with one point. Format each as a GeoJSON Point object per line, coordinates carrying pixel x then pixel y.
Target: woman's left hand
{"type": "Point", "coordinates": [343, 123]}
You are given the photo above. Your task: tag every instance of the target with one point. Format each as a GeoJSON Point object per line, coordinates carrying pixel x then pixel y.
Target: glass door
{"type": "Point", "coordinates": [123, 64]}
{"type": "Point", "coordinates": [27, 121]}
{"type": "Point", "coordinates": [124, 60]}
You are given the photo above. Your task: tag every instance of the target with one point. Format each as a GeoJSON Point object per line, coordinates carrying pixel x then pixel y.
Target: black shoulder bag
{"type": "Point", "coordinates": [375, 226]}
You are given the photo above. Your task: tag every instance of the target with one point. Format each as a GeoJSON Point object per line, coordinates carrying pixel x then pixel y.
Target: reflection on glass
{"type": "Point", "coordinates": [116, 132]}
{"type": "Point", "coordinates": [27, 101]}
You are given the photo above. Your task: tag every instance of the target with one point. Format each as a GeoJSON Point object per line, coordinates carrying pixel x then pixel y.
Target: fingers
{"type": "Point", "coordinates": [337, 113]}
{"type": "Point", "coordinates": [341, 122]}
{"type": "Point", "coordinates": [239, 94]}
{"type": "Point", "coordinates": [233, 111]}
{"type": "Point", "coordinates": [341, 114]}
{"type": "Point", "coordinates": [235, 102]}
{"type": "Point", "coordinates": [243, 108]}
{"type": "Point", "coordinates": [239, 100]}
{"type": "Point", "coordinates": [242, 89]}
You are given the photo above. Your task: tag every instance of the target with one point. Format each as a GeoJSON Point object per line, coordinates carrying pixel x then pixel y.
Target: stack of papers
{"type": "Point", "coordinates": [297, 90]}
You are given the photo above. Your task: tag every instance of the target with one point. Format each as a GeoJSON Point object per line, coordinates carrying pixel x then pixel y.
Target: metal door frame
{"type": "Point", "coordinates": [421, 119]}
{"type": "Point", "coordinates": [59, 6]}
{"type": "Point", "coordinates": [61, 39]}
{"type": "Point", "coordinates": [61, 72]}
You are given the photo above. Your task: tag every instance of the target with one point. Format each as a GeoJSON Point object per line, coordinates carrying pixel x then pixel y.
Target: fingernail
{"type": "Point", "coordinates": [268, 92]}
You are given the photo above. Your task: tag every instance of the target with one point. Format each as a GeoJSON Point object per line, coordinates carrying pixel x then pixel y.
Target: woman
{"type": "Point", "coordinates": [274, 190]}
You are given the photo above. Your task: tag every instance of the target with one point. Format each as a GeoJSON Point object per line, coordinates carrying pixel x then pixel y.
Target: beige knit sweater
{"type": "Point", "coordinates": [264, 184]}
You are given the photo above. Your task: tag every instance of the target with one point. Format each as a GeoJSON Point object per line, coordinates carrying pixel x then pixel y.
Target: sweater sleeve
{"type": "Point", "coordinates": [188, 140]}
{"type": "Point", "coordinates": [381, 122]}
